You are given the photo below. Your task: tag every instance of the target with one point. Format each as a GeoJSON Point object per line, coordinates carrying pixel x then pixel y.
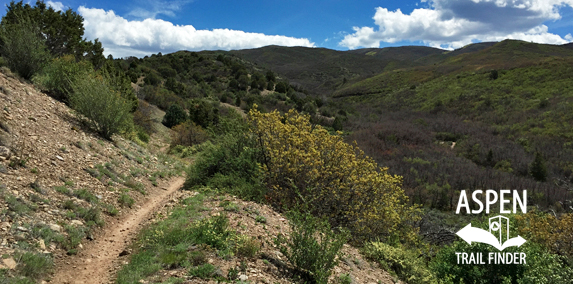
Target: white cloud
{"type": "Point", "coordinates": [122, 38]}
{"type": "Point", "coordinates": [151, 8]}
{"type": "Point", "coordinates": [455, 23]}
{"type": "Point", "coordinates": [58, 6]}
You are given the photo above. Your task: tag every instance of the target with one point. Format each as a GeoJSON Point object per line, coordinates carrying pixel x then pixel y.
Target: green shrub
{"type": "Point", "coordinates": [137, 186]}
{"type": "Point", "coordinates": [126, 200]}
{"type": "Point", "coordinates": [313, 248]}
{"type": "Point", "coordinates": [61, 74]}
{"type": "Point", "coordinates": [541, 266]}
{"type": "Point", "coordinates": [403, 262]}
{"type": "Point", "coordinates": [260, 219]}
{"type": "Point", "coordinates": [111, 210]}
{"type": "Point", "coordinates": [230, 206]}
{"type": "Point", "coordinates": [345, 279]}
{"type": "Point", "coordinates": [75, 236]}
{"type": "Point", "coordinates": [213, 231]}
{"type": "Point", "coordinates": [204, 271]}
{"type": "Point", "coordinates": [17, 205]}
{"type": "Point", "coordinates": [35, 265]}
{"type": "Point", "coordinates": [107, 112]}
{"type": "Point", "coordinates": [92, 216]}
{"type": "Point", "coordinates": [175, 115]}
{"type": "Point", "coordinates": [141, 265]}
{"type": "Point", "coordinates": [85, 195]}
{"type": "Point", "coordinates": [173, 258]}
{"type": "Point", "coordinates": [546, 268]}
{"type": "Point", "coordinates": [188, 134]}
{"type": "Point", "coordinates": [230, 163]}
{"type": "Point", "coordinates": [23, 48]}
{"type": "Point", "coordinates": [197, 258]}
{"type": "Point", "coordinates": [247, 246]}
{"type": "Point", "coordinates": [143, 136]}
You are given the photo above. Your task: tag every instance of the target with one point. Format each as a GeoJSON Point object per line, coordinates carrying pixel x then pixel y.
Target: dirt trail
{"type": "Point", "coordinates": [95, 263]}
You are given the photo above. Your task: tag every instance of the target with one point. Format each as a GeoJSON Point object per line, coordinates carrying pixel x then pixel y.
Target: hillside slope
{"type": "Point", "coordinates": [323, 70]}
{"type": "Point", "coordinates": [72, 204]}
{"type": "Point", "coordinates": [59, 183]}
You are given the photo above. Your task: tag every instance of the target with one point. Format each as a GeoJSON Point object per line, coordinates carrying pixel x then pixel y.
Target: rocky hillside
{"type": "Point", "coordinates": [59, 183]}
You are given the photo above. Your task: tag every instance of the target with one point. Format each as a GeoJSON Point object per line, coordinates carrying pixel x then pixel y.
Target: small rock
{"type": "Point", "coordinates": [220, 273]}
{"type": "Point", "coordinates": [5, 152]}
{"type": "Point", "coordinates": [22, 229]}
{"type": "Point", "coordinates": [59, 158]}
{"type": "Point", "coordinates": [20, 238]}
{"type": "Point", "coordinates": [243, 277]}
{"type": "Point", "coordinates": [77, 223]}
{"type": "Point", "coordinates": [42, 244]}
{"type": "Point", "coordinates": [54, 227]}
{"type": "Point", "coordinates": [19, 178]}
{"type": "Point", "coordinates": [10, 263]}
{"type": "Point", "coordinates": [99, 196]}
{"type": "Point", "coordinates": [80, 246]}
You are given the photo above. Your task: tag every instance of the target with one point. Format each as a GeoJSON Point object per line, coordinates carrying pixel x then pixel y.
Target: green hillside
{"type": "Point", "coordinates": [322, 71]}
{"type": "Point", "coordinates": [501, 103]}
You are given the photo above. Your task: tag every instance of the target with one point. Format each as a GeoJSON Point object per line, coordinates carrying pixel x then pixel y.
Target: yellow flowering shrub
{"type": "Point", "coordinates": [306, 167]}
{"type": "Point", "coordinates": [555, 233]}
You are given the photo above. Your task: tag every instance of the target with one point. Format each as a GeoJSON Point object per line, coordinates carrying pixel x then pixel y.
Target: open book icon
{"type": "Point", "coordinates": [472, 234]}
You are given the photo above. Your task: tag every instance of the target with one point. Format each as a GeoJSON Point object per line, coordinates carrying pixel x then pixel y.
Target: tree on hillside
{"type": "Point", "coordinates": [203, 113]}
{"type": "Point", "coordinates": [281, 87]}
{"type": "Point", "coordinates": [270, 76]}
{"type": "Point", "coordinates": [120, 82]}
{"type": "Point", "coordinates": [175, 115]}
{"type": "Point", "coordinates": [493, 74]}
{"type": "Point", "coordinates": [537, 168]}
{"type": "Point", "coordinates": [337, 124]}
{"type": "Point", "coordinates": [61, 31]}
{"type": "Point", "coordinates": [23, 48]}
{"type": "Point", "coordinates": [106, 110]}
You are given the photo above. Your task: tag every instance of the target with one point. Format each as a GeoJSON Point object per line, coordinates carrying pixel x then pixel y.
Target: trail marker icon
{"type": "Point", "coordinates": [496, 224]}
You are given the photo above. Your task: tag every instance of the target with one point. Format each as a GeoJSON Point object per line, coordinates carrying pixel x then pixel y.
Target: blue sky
{"type": "Point", "coordinates": [143, 27]}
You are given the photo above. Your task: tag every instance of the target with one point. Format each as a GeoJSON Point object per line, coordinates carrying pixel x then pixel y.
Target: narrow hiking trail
{"type": "Point", "coordinates": [97, 262]}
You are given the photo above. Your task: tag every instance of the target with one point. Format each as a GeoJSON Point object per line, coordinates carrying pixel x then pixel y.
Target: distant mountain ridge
{"type": "Point", "coordinates": [325, 71]}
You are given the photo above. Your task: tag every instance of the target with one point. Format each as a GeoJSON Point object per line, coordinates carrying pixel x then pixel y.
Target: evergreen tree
{"type": "Point", "coordinates": [337, 124]}
{"type": "Point", "coordinates": [23, 48]}
{"type": "Point", "coordinates": [175, 115]}
{"type": "Point", "coordinates": [61, 31]}
{"type": "Point", "coordinates": [281, 87]}
{"type": "Point", "coordinates": [270, 76]}
{"type": "Point", "coordinates": [489, 159]}
{"type": "Point", "coordinates": [537, 168]}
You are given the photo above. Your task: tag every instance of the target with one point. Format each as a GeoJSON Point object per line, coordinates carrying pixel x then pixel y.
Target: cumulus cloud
{"type": "Point", "coordinates": [455, 23]}
{"type": "Point", "coordinates": [122, 38]}
{"type": "Point", "coordinates": [58, 6]}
